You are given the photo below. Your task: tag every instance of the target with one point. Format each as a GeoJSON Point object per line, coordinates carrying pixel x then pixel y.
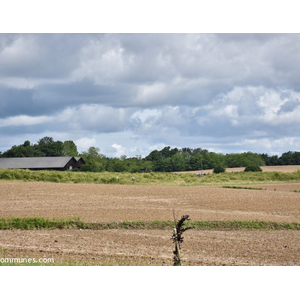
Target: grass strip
{"type": "Point", "coordinates": [39, 223]}
{"type": "Point", "coordinates": [153, 178]}
{"type": "Point", "coordinates": [42, 223]}
{"type": "Point", "coordinates": [242, 187]}
{"type": "Point", "coordinates": [238, 225]}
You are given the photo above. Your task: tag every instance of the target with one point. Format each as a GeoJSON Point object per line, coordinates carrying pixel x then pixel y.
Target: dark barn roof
{"type": "Point", "coordinates": [38, 163]}
{"type": "Point", "coordinates": [79, 159]}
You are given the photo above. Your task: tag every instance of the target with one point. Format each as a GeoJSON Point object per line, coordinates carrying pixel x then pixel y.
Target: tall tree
{"type": "Point", "coordinates": [95, 161]}
{"type": "Point", "coordinates": [49, 147]}
{"type": "Point", "coordinates": [70, 149]}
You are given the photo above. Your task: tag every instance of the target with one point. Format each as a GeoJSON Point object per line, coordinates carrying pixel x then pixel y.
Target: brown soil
{"type": "Point", "coordinates": [107, 203]}
{"type": "Point", "coordinates": [154, 247]}
{"type": "Point", "coordinates": [100, 203]}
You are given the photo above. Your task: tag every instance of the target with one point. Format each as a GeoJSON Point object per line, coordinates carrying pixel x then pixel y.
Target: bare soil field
{"type": "Point", "coordinates": [154, 247]}
{"type": "Point", "coordinates": [107, 203]}
{"type": "Point", "coordinates": [284, 169]}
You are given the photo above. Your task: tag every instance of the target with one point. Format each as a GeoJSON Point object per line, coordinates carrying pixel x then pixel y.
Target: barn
{"type": "Point", "coordinates": [80, 161]}
{"type": "Point", "coordinates": [59, 163]}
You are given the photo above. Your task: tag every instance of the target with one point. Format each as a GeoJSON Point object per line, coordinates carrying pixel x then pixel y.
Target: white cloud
{"type": "Point", "coordinates": [134, 91]}
{"type": "Point", "coordinates": [23, 51]}
{"type": "Point", "coordinates": [150, 92]}
{"type": "Point", "coordinates": [120, 150]}
{"type": "Point", "coordinates": [85, 143]}
{"type": "Point", "coordinates": [24, 121]}
{"type": "Point", "coordinates": [269, 145]}
{"type": "Point", "coordinates": [95, 118]}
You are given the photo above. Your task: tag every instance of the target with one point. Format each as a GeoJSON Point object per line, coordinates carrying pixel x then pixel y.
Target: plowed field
{"type": "Point", "coordinates": [154, 247]}
{"type": "Point", "coordinates": [106, 203]}
{"type": "Point", "coordinates": [103, 203]}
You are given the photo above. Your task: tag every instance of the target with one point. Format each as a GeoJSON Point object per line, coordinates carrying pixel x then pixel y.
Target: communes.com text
{"type": "Point", "coordinates": [27, 260]}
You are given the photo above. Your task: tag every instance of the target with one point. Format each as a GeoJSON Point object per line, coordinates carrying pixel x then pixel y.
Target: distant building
{"type": "Point", "coordinates": [59, 163]}
{"type": "Point", "coordinates": [80, 161]}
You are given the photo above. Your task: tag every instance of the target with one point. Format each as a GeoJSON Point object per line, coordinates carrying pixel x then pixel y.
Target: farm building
{"type": "Point", "coordinates": [59, 163]}
{"type": "Point", "coordinates": [80, 161]}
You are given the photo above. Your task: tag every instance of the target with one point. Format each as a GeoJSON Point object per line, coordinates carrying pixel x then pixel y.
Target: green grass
{"type": "Point", "coordinates": [39, 223]}
{"type": "Point", "coordinates": [153, 178]}
{"type": "Point", "coordinates": [238, 225]}
{"type": "Point", "coordinates": [241, 187]}
{"type": "Point", "coordinates": [98, 178]}
{"type": "Point", "coordinates": [76, 223]}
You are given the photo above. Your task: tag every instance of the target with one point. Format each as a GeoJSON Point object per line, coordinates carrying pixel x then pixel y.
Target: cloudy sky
{"type": "Point", "coordinates": [129, 94]}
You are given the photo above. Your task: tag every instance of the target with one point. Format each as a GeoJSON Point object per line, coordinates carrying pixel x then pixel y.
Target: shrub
{"type": "Point", "coordinates": [219, 169]}
{"type": "Point", "coordinates": [253, 168]}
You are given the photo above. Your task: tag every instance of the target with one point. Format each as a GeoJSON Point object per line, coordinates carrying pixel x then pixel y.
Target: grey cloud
{"type": "Point", "coordinates": [52, 98]}
{"type": "Point", "coordinates": [234, 117]}
{"type": "Point", "coordinates": [260, 38]}
{"type": "Point", "coordinates": [290, 105]}
{"type": "Point", "coordinates": [98, 118]}
{"type": "Point", "coordinates": [6, 39]}
{"type": "Point", "coordinates": [16, 102]}
{"type": "Point", "coordinates": [85, 91]}
{"type": "Point", "coordinates": [40, 55]}
{"type": "Point", "coordinates": [10, 131]}
{"type": "Point", "coordinates": [150, 58]}
{"type": "Point", "coordinates": [219, 89]}
{"type": "Point", "coordinates": [250, 60]}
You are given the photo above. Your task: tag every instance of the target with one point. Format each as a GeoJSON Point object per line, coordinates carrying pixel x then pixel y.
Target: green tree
{"type": "Point", "coordinates": [212, 160]}
{"type": "Point", "coordinates": [269, 160]}
{"type": "Point", "coordinates": [156, 158]}
{"type": "Point", "coordinates": [116, 165]}
{"type": "Point", "coordinates": [95, 161]}
{"type": "Point", "coordinates": [14, 151]}
{"type": "Point", "coordinates": [70, 149]}
{"type": "Point", "coordinates": [24, 150]}
{"type": "Point", "coordinates": [179, 162]}
{"type": "Point", "coordinates": [196, 162]}
{"type": "Point", "coordinates": [219, 169]}
{"type": "Point", "coordinates": [49, 147]}
{"type": "Point", "coordinates": [290, 158]}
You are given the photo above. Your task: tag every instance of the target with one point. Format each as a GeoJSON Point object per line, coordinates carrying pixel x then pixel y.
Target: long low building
{"type": "Point", "coordinates": [59, 163]}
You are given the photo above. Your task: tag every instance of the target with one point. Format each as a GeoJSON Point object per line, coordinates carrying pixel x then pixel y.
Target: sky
{"type": "Point", "coordinates": [132, 93]}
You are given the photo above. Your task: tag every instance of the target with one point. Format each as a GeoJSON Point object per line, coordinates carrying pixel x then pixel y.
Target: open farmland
{"type": "Point", "coordinates": [117, 203]}
{"type": "Point", "coordinates": [111, 203]}
{"type": "Point", "coordinates": [284, 169]}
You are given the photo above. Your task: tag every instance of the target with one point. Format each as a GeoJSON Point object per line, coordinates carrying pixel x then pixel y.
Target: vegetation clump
{"type": "Point", "coordinates": [242, 187]}
{"type": "Point", "coordinates": [219, 169]}
{"type": "Point", "coordinates": [253, 168]}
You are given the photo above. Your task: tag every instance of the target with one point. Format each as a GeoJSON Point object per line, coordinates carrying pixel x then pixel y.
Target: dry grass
{"type": "Point", "coordinates": [284, 169]}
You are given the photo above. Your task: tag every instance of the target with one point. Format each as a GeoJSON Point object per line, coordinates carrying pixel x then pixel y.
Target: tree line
{"type": "Point", "coordinates": [166, 160]}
